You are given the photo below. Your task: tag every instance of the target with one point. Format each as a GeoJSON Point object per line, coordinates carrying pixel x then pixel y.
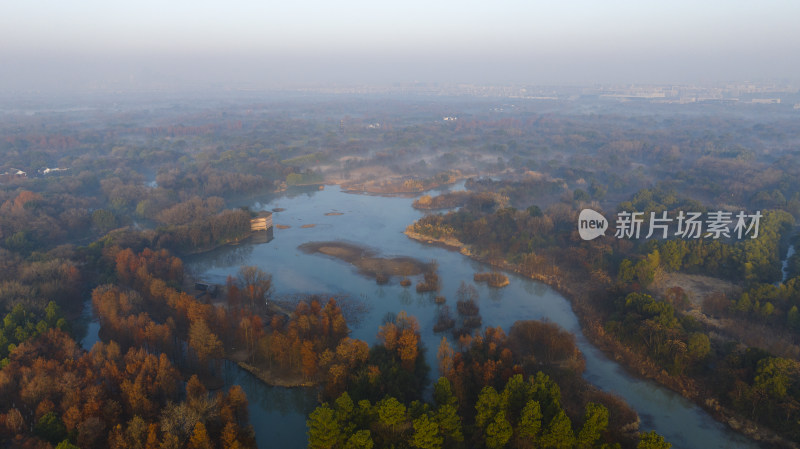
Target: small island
{"type": "Point", "coordinates": [494, 279]}
{"type": "Point", "coordinates": [367, 260]}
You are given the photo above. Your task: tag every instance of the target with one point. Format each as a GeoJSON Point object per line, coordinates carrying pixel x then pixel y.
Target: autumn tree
{"type": "Point", "coordinates": [255, 285]}
{"type": "Point", "coordinates": [204, 342]}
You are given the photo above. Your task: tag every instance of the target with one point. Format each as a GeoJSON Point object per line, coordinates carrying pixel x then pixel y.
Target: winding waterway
{"type": "Point", "coordinates": [278, 414]}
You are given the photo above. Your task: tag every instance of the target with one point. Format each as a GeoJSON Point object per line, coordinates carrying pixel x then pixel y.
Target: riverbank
{"type": "Point", "coordinates": [401, 185]}
{"type": "Point", "coordinates": [575, 288]}
{"type": "Point", "coordinates": [230, 242]}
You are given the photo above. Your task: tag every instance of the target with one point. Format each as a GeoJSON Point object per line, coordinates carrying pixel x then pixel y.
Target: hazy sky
{"type": "Point", "coordinates": [57, 44]}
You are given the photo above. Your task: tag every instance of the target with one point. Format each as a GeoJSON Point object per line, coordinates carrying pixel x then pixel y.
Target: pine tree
{"type": "Point", "coordinates": [443, 393]}
{"type": "Point", "coordinates": [449, 424]}
{"type": "Point", "coordinates": [323, 429]}
{"type": "Point", "coordinates": [487, 406]}
{"type": "Point", "coordinates": [529, 425]}
{"type": "Point", "coordinates": [595, 422]}
{"type": "Point", "coordinates": [652, 440]}
{"type": "Point", "coordinates": [498, 432]}
{"type": "Point", "coordinates": [559, 433]}
{"type": "Point", "coordinates": [426, 434]}
{"type": "Point", "coordinates": [391, 413]}
{"type": "Point", "coordinates": [360, 440]}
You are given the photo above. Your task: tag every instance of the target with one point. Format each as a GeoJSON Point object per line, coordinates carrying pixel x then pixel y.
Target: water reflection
{"type": "Point", "coordinates": [277, 414]}
{"type": "Point", "coordinates": [282, 412]}
{"type": "Point", "coordinates": [226, 256]}
{"type": "Point", "coordinates": [405, 297]}
{"type": "Point", "coordinates": [495, 294]}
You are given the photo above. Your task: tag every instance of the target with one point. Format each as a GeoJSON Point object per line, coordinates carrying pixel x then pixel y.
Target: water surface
{"type": "Point", "coordinates": [278, 414]}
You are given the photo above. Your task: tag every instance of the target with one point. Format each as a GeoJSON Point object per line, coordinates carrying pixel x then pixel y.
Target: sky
{"type": "Point", "coordinates": [110, 44]}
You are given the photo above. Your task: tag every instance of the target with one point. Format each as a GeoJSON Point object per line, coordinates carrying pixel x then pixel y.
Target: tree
{"type": "Point", "coordinates": [344, 408]}
{"type": "Point", "coordinates": [229, 438]}
{"type": "Point", "coordinates": [236, 399]}
{"type": "Point", "coordinates": [625, 272]}
{"type": "Point", "coordinates": [595, 422]}
{"type": "Point", "coordinates": [445, 356]}
{"type": "Point", "coordinates": [426, 434]}
{"type": "Point", "coordinates": [407, 348]}
{"type": "Point", "coordinates": [498, 432]}
{"type": "Point", "coordinates": [699, 346]}
{"type": "Point", "coordinates": [50, 428]}
{"type": "Point", "coordinates": [487, 406]}
{"type": "Point", "coordinates": [530, 424]}
{"type": "Point", "coordinates": [360, 440]}
{"type": "Point", "coordinates": [646, 268]}
{"type": "Point", "coordinates": [199, 439]}
{"type": "Point", "coordinates": [391, 413]}
{"type": "Point", "coordinates": [775, 375]}
{"type": "Point", "coordinates": [136, 433]}
{"type": "Point", "coordinates": [323, 428]}
{"type": "Point", "coordinates": [152, 437]}
{"type": "Point", "coordinates": [443, 393]}
{"type": "Point", "coordinates": [309, 359]}
{"type": "Point", "coordinates": [652, 440]}
{"type": "Point", "coordinates": [515, 395]}
{"type": "Point", "coordinates": [104, 220]}
{"type": "Point", "coordinates": [793, 318]}
{"type": "Point", "coordinates": [256, 285]}
{"type": "Point", "coordinates": [195, 390]}
{"type": "Point", "coordinates": [559, 433]}
{"type": "Point", "coordinates": [449, 424]}
{"type": "Point", "coordinates": [204, 342]}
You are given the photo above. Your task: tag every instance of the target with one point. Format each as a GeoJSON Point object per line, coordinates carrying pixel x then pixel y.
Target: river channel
{"type": "Point", "coordinates": [278, 414]}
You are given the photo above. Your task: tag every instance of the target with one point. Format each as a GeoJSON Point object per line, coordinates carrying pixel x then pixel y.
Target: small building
{"type": "Point", "coordinates": [261, 223]}
{"type": "Point", "coordinates": [261, 227]}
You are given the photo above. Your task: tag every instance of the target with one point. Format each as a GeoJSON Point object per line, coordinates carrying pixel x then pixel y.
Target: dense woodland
{"type": "Point", "coordinates": [137, 186]}
{"type": "Point", "coordinates": [758, 380]}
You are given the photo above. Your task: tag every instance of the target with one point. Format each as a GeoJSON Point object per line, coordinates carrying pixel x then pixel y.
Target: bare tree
{"type": "Point", "coordinates": [256, 285]}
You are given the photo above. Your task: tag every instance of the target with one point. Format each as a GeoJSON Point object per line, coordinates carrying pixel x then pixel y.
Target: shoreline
{"type": "Point", "coordinates": [274, 381]}
{"type": "Point", "coordinates": [217, 246]}
{"type": "Point", "coordinates": [634, 364]}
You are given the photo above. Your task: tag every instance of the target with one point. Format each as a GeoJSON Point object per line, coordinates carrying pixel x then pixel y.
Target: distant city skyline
{"type": "Point", "coordinates": [49, 45]}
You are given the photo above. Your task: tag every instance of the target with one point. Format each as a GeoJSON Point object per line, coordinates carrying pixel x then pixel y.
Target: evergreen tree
{"type": "Point", "coordinates": [498, 432]}
{"type": "Point", "coordinates": [360, 440]}
{"type": "Point", "coordinates": [323, 428]}
{"type": "Point", "coordinates": [443, 392]}
{"type": "Point", "coordinates": [529, 425]}
{"type": "Point", "coordinates": [426, 434]}
{"type": "Point", "coordinates": [488, 405]}
{"type": "Point", "coordinates": [449, 425]}
{"type": "Point", "coordinates": [652, 440]}
{"type": "Point", "coordinates": [595, 422]}
{"type": "Point", "coordinates": [559, 433]}
{"type": "Point", "coordinates": [391, 413]}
